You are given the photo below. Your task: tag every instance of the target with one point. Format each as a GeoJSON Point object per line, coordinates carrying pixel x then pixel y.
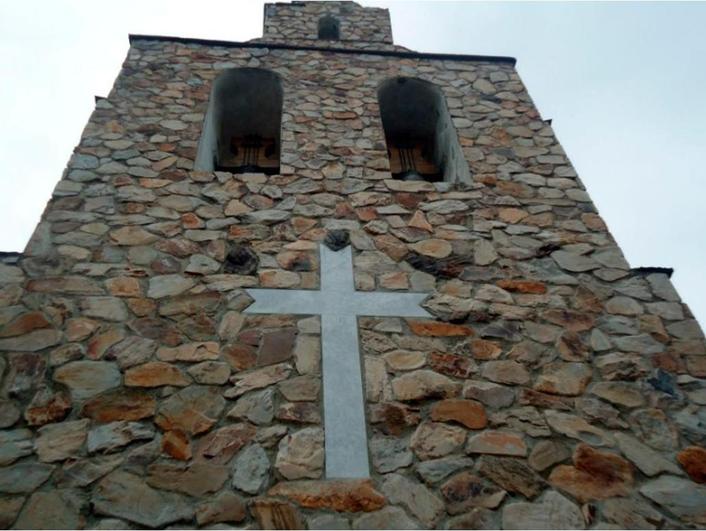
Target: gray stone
{"type": "Point", "coordinates": [59, 441]}
{"type": "Point", "coordinates": [643, 457]}
{"type": "Point", "coordinates": [328, 521]}
{"type": "Point", "coordinates": [202, 265]}
{"type": "Point", "coordinates": [654, 428]}
{"type": "Point", "coordinates": [679, 496]}
{"type": "Point", "coordinates": [490, 394]}
{"type": "Point", "coordinates": [484, 253]}
{"type": "Point", "coordinates": [132, 350]}
{"type": "Point", "coordinates": [56, 509]}
{"type": "Point", "coordinates": [662, 287]}
{"type": "Point", "coordinates": [389, 454]}
{"type": "Point", "coordinates": [83, 472]}
{"type": "Point", "coordinates": [257, 407]}
{"type": "Point", "coordinates": [127, 496]}
{"type": "Point", "coordinates": [109, 437]}
{"type": "Point", "coordinates": [642, 344]}
{"type": "Point", "coordinates": [108, 308]}
{"type": "Point", "coordinates": [577, 428]}
{"type": "Point", "coordinates": [267, 217]}
{"type": "Point", "coordinates": [551, 511]}
{"type": "Point", "coordinates": [88, 378]}
{"type": "Point", "coordinates": [445, 206]}
{"type": "Point", "coordinates": [436, 470]}
{"type": "Point", "coordinates": [24, 477]}
{"type": "Point", "coordinates": [387, 518]}
{"type": "Point", "coordinates": [623, 306]}
{"type": "Point", "coordinates": [168, 285]}
{"type": "Point", "coordinates": [547, 453]}
{"type": "Point", "coordinates": [416, 498]}
{"type": "Point", "coordinates": [251, 469]}
{"type": "Point", "coordinates": [32, 342]}
{"type": "Point", "coordinates": [621, 393]}
{"type": "Point", "coordinates": [15, 444]}
{"type": "Point", "coordinates": [574, 262]}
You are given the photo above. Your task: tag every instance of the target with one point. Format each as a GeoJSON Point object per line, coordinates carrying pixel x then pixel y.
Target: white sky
{"type": "Point", "coordinates": [624, 82]}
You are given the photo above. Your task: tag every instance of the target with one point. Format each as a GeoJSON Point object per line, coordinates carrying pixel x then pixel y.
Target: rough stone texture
{"type": "Point", "coordinates": [551, 511]}
{"type": "Point", "coordinates": [301, 454]}
{"type": "Point", "coordinates": [130, 366]}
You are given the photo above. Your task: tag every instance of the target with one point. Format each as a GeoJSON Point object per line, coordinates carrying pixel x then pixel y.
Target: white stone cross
{"type": "Point", "coordinates": [339, 304]}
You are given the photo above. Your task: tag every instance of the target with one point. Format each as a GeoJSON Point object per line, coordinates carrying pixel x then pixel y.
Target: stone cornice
{"type": "Point", "coordinates": [278, 46]}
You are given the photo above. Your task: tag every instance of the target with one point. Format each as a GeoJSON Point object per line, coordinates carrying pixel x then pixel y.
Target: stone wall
{"type": "Point", "coordinates": [555, 386]}
{"type": "Point", "coordinates": [300, 20]}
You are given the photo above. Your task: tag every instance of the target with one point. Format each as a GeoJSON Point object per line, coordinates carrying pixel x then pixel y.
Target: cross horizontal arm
{"type": "Point", "coordinates": [383, 304]}
{"type": "Point", "coordinates": [284, 301]}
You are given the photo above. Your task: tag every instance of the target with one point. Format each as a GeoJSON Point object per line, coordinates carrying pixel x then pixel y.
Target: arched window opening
{"type": "Point", "coordinates": [329, 28]}
{"type": "Point", "coordinates": [421, 139]}
{"type": "Point", "coordinates": [241, 131]}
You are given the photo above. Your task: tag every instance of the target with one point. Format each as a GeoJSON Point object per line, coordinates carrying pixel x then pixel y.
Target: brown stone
{"type": "Point", "coordinates": [452, 365]}
{"type": "Point", "coordinates": [79, 328]}
{"type": "Point", "coordinates": [69, 285]}
{"type": "Point", "coordinates": [121, 404]}
{"type": "Point", "coordinates": [432, 247]}
{"type": "Point", "coordinates": [569, 319]}
{"type": "Point", "coordinates": [469, 413]}
{"type": "Point", "coordinates": [24, 324]}
{"type": "Point", "coordinates": [224, 507]}
{"type": "Point", "coordinates": [693, 461]}
{"type": "Point", "coordinates": [338, 495]}
{"type": "Point", "coordinates": [522, 286]}
{"type": "Point", "coordinates": [100, 343]}
{"type": "Point", "coordinates": [47, 407]}
{"type": "Point", "coordinates": [561, 378]}
{"type": "Point", "coordinates": [483, 349]}
{"type": "Point", "coordinates": [424, 384]}
{"type": "Point", "coordinates": [466, 490]}
{"type": "Point", "coordinates": [176, 444]}
{"type": "Point", "coordinates": [156, 374]}
{"type": "Point", "coordinates": [299, 412]}
{"type": "Point", "coordinates": [497, 443]}
{"type": "Point", "coordinates": [276, 514]}
{"type": "Point", "coordinates": [596, 475]}
{"type": "Point", "coordinates": [196, 479]}
{"type": "Point", "coordinates": [192, 410]}
{"type": "Point", "coordinates": [276, 346]}
{"type": "Point", "coordinates": [392, 418]}
{"type": "Point", "coordinates": [241, 357]}
{"type": "Point", "coordinates": [512, 474]}
{"type": "Point", "coordinates": [190, 352]}
{"type": "Point", "coordinates": [221, 445]}
{"type": "Point", "coordinates": [124, 287]}
{"type": "Point", "coordinates": [9, 509]}
{"type": "Point", "coordinates": [438, 329]}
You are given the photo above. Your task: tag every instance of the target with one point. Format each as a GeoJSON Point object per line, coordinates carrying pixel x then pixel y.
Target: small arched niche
{"type": "Point", "coordinates": [241, 132]}
{"type": "Point", "coordinates": [421, 140]}
{"type": "Point", "coordinates": [329, 28]}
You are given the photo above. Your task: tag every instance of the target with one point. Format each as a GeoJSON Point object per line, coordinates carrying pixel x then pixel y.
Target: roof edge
{"type": "Point", "coordinates": [276, 46]}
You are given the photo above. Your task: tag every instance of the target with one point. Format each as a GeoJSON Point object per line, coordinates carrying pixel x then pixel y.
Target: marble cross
{"type": "Point", "coordinates": [339, 305]}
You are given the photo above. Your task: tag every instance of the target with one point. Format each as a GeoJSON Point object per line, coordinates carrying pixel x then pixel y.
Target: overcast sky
{"type": "Point", "coordinates": [624, 83]}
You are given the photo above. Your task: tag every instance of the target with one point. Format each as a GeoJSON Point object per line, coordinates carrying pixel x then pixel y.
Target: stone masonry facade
{"type": "Point", "coordinates": [555, 386]}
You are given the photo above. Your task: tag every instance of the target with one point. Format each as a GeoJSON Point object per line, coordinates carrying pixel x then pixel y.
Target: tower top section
{"type": "Point", "coordinates": [327, 21]}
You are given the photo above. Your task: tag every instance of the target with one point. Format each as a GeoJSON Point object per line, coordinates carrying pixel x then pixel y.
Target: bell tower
{"type": "Point", "coordinates": [319, 280]}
